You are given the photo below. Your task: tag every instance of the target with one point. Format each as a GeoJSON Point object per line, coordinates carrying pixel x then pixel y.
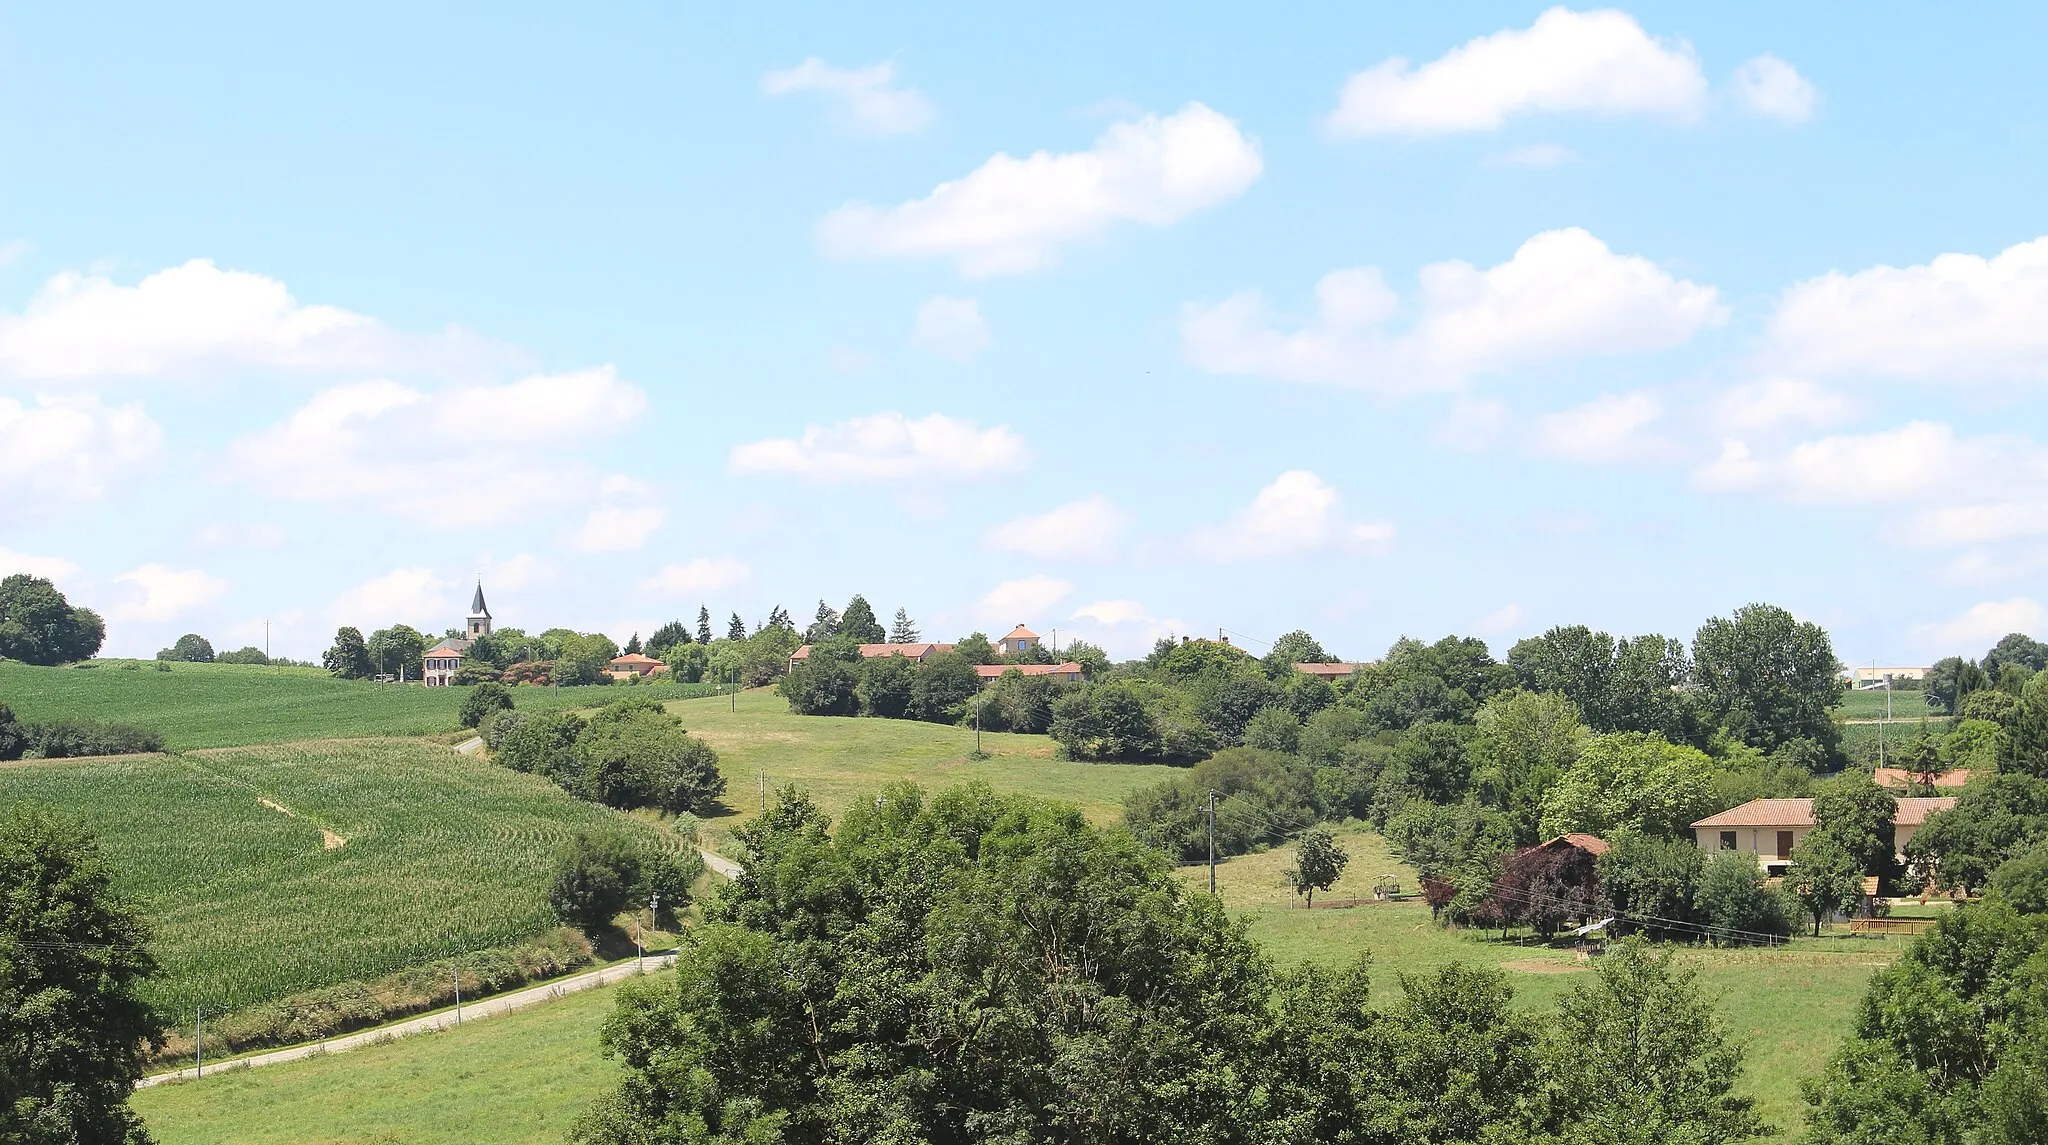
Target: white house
{"type": "Point", "coordinates": [1771, 829]}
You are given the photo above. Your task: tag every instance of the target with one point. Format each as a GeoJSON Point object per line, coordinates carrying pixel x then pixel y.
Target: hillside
{"type": "Point", "coordinates": [230, 705]}
{"type": "Point", "coordinates": [270, 870]}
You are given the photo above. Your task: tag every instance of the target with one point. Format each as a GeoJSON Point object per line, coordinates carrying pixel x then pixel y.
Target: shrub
{"type": "Point", "coordinates": [62, 739]}
{"type": "Point", "coordinates": [544, 745]}
{"type": "Point", "coordinates": [885, 686]}
{"type": "Point", "coordinates": [499, 726]}
{"type": "Point", "coordinates": [484, 701]}
{"type": "Point", "coordinates": [1107, 722]}
{"type": "Point", "coordinates": [190, 648]}
{"type": "Point", "coordinates": [13, 737]}
{"type": "Point", "coordinates": [595, 878]}
{"type": "Point", "coordinates": [670, 878]}
{"type": "Point", "coordinates": [1261, 798]}
{"type": "Point", "coordinates": [824, 683]}
{"type": "Point", "coordinates": [1732, 901]}
{"type": "Point", "coordinates": [248, 654]}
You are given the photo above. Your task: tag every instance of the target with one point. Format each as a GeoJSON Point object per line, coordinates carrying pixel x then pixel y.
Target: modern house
{"type": "Point", "coordinates": [1067, 671]}
{"type": "Point", "coordinates": [1771, 829]}
{"type": "Point", "coordinates": [443, 660]}
{"type": "Point", "coordinates": [634, 664]}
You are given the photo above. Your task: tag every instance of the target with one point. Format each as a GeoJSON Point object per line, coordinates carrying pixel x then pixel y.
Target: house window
{"type": "Point", "coordinates": [1727, 840]}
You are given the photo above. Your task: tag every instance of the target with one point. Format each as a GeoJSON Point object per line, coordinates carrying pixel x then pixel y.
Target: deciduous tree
{"type": "Point", "coordinates": [1318, 862]}
{"type": "Point", "coordinates": [1825, 877]}
{"type": "Point", "coordinates": [1768, 677]}
{"type": "Point", "coordinates": [38, 626]}
{"type": "Point", "coordinates": [349, 658]}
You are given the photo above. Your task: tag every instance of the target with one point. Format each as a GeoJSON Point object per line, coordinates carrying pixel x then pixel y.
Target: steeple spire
{"type": "Point", "coordinates": [476, 604]}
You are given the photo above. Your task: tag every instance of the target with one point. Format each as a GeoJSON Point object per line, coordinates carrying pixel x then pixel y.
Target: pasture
{"type": "Point", "coordinates": [232, 705]}
{"type": "Point", "coordinates": [266, 871]}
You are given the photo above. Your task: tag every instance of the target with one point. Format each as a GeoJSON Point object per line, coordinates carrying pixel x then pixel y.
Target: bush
{"type": "Point", "coordinates": [1732, 901]}
{"type": "Point", "coordinates": [1261, 798]}
{"type": "Point", "coordinates": [2023, 881]}
{"type": "Point", "coordinates": [1106, 722]}
{"type": "Point", "coordinates": [13, 737]}
{"type": "Point", "coordinates": [65, 739]}
{"type": "Point", "coordinates": [499, 726]}
{"type": "Point", "coordinates": [484, 701]}
{"type": "Point", "coordinates": [596, 876]}
{"type": "Point", "coordinates": [941, 688]}
{"type": "Point", "coordinates": [248, 654]}
{"type": "Point", "coordinates": [670, 877]}
{"type": "Point", "coordinates": [885, 686]}
{"type": "Point", "coordinates": [544, 745]}
{"type": "Point", "coordinates": [190, 648]}
{"type": "Point", "coordinates": [824, 683]}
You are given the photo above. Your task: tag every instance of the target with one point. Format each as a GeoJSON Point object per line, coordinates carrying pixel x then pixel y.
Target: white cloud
{"type": "Point", "coordinates": [1501, 621]}
{"type": "Point", "coordinates": [521, 570]}
{"type": "Point", "coordinates": [1773, 403]}
{"type": "Point", "coordinates": [49, 568]}
{"type": "Point", "coordinates": [1123, 628]}
{"type": "Point", "coordinates": [1534, 155]}
{"type": "Point", "coordinates": [1598, 62]}
{"type": "Point", "coordinates": [865, 99]}
{"type": "Point", "coordinates": [885, 447]}
{"type": "Point", "coordinates": [466, 455]}
{"type": "Point", "coordinates": [1908, 462]}
{"type": "Point", "coordinates": [163, 593]}
{"type": "Point", "coordinates": [1471, 425]}
{"type": "Point", "coordinates": [411, 595]}
{"type": "Point", "coordinates": [1299, 513]}
{"type": "Point", "coordinates": [1958, 318]}
{"type": "Point", "coordinates": [1017, 601]}
{"type": "Point", "coordinates": [951, 327]}
{"type": "Point", "coordinates": [1774, 89]}
{"type": "Point", "coordinates": [197, 320]}
{"type": "Point", "coordinates": [1012, 215]}
{"type": "Point", "coordinates": [1086, 530]}
{"type": "Point", "coordinates": [1113, 612]}
{"type": "Point", "coordinates": [64, 451]}
{"type": "Point", "coordinates": [233, 536]}
{"type": "Point", "coordinates": [704, 574]}
{"type": "Point", "coordinates": [624, 520]}
{"type": "Point", "coordinates": [1981, 624]}
{"type": "Point", "coordinates": [1610, 428]}
{"type": "Point", "coordinates": [1563, 294]}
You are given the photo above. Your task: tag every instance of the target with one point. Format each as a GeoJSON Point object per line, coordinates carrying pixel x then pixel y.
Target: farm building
{"type": "Point", "coordinates": [1067, 671]}
{"type": "Point", "coordinates": [443, 660]}
{"type": "Point", "coordinates": [1771, 829]}
{"type": "Point", "coordinates": [915, 653]}
{"type": "Point", "coordinates": [634, 664]}
{"type": "Point", "coordinates": [1875, 677]}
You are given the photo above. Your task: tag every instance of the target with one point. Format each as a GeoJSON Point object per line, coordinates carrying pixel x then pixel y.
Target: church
{"type": "Point", "coordinates": [443, 660]}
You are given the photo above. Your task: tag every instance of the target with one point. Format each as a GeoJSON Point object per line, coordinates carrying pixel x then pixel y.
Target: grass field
{"type": "Point", "coordinates": [839, 759]}
{"type": "Point", "coordinates": [230, 705]}
{"type": "Point", "coordinates": [271, 870]}
{"type": "Point", "coordinates": [1870, 705]}
{"type": "Point", "coordinates": [1790, 1006]}
{"type": "Point", "coordinates": [517, 1079]}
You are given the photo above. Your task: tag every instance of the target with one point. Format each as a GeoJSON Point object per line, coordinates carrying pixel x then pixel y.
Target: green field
{"type": "Point", "coordinates": [517, 1079]}
{"type": "Point", "coordinates": [1870, 705]}
{"type": "Point", "coordinates": [1789, 1006]}
{"type": "Point", "coordinates": [839, 759]}
{"type": "Point", "coordinates": [230, 705]}
{"type": "Point", "coordinates": [369, 856]}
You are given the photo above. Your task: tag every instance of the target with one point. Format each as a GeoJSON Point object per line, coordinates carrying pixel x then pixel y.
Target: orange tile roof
{"type": "Point", "coordinates": [992, 671]}
{"type": "Point", "coordinates": [1326, 669]}
{"type": "Point", "coordinates": [873, 651]}
{"type": "Point", "coordinates": [635, 658]}
{"type": "Point", "coordinates": [1023, 632]}
{"type": "Point", "coordinates": [1913, 812]}
{"type": "Point", "coordinates": [1902, 777]}
{"type": "Point", "coordinates": [1591, 844]}
{"type": "Point", "coordinates": [1799, 813]}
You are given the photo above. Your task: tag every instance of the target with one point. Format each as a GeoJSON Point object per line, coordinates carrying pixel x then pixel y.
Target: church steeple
{"type": "Point", "coordinates": [479, 613]}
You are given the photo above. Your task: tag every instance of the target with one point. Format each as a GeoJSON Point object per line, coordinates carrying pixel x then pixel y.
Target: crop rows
{"type": "Point", "coordinates": [443, 854]}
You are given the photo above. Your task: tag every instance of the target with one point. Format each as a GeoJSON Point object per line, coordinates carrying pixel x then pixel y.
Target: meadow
{"type": "Point", "coordinates": [1869, 705]}
{"type": "Point", "coordinates": [266, 871]}
{"type": "Point", "coordinates": [232, 705]}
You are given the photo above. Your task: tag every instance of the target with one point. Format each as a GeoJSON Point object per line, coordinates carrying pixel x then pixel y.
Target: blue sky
{"type": "Point", "coordinates": [1375, 320]}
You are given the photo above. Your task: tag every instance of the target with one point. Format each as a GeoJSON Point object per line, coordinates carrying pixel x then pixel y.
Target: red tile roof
{"type": "Point", "coordinates": [1021, 632]}
{"type": "Point", "coordinates": [992, 671]}
{"type": "Point", "coordinates": [1913, 812]}
{"type": "Point", "coordinates": [1326, 669]}
{"type": "Point", "coordinates": [1799, 813]}
{"type": "Point", "coordinates": [873, 651]}
{"type": "Point", "coordinates": [636, 658]}
{"type": "Point", "coordinates": [1901, 777]}
{"type": "Point", "coordinates": [1591, 844]}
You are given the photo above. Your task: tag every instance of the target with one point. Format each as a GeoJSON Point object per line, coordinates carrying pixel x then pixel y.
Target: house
{"type": "Point", "coordinates": [634, 664]}
{"type": "Point", "coordinates": [443, 660]}
{"type": "Point", "coordinates": [1328, 671]}
{"type": "Point", "coordinates": [1771, 829]}
{"type": "Point", "coordinates": [1019, 639]}
{"type": "Point", "coordinates": [1905, 777]}
{"type": "Point", "coordinates": [1875, 677]}
{"type": "Point", "coordinates": [915, 653]}
{"type": "Point", "coordinates": [1593, 845]}
{"type": "Point", "coordinates": [1067, 671]}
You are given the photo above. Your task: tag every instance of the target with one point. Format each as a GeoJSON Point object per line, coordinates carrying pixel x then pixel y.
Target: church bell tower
{"type": "Point", "coordinates": [479, 614]}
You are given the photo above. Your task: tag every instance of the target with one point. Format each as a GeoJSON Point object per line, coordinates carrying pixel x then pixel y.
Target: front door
{"type": "Point", "coordinates": [1784, 844]}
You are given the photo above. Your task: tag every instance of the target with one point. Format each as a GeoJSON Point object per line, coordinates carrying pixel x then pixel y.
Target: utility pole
{"type": "Point", "coordinates": [1212, 840]}
{"type": "Point", "coordinates": [764, 793]}
{"type": "Point", "coordinates": [456, 973]}
{"type": "Point", "coordinates": [198, 1042]}
{"type": "Point", "coordinates": [977, 725]}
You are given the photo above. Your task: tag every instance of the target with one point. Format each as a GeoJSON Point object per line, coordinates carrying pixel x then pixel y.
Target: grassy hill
{"type": "Point", "coordinates": [265, 871]}
{"type": "Point", "coordinates": [228, 705]}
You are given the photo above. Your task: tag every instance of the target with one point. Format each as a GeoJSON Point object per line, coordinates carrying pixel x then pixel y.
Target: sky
{"type": "Point", "coordinates": [1371, 320]}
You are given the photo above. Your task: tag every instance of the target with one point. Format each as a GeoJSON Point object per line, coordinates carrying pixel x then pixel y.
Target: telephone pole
{"type": "Point", "coordinates": [456, 973]}
{"type": "Point", "coordinates": [198, 1042]}
{"type": "Point", "coordinates": [1212, 840]}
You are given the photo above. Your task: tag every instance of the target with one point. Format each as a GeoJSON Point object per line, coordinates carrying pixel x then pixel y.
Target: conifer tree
{"type": "Point", "coordinates": [824, 626]}
{"type": "Point", "coordinates": [859, 622]}
{"type": "Point", "coordinates": [632, 644]}
{"type": "Point", "coordinates": [904, 631]}
{"type": "Point", "coordinates": [736, 629]}
{"type": "Point", "coordinates": [703, 624]}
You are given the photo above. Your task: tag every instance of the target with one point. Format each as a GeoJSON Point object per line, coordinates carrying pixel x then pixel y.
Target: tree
{"type": "Point", "coordinates": [943, 684]}
{"type": "Point", "coordinates": [2015, 648]}
{"type": "Point", "coordinates": [1950, 681]}
{"type": "Point", "coordinates": [825, 682]}
{"type": "Point", "coordinates": [885, 686]}
{"type": "Point", "coordinates": [1768, 677]}
{"type": "Point", "coordinates": [190, 648]}
{"type": "Point", "coordinates": [1825, 877]}
{"type": "Point", "coordinates": [632, 645]}
{"type": "Point", "coordinates": [859, 623]}
{"type": "Point", "coordinates": [1858, 814]}
{"type": "Point", "coordinates": [671, 635]}
{"type": "Point", "coordinates": [38, 626]}
{"type": "Point", "coordinates": [350, 657]}
{"type": "Point", "coordinates": [397, 650]}
{"type": "Point", "coordinates": [1296, 647]}
{"type": "Point", "coordinates": [13, 737]}
{"type": "Point", "coordinates": [584, 657]}
{"type": "Point", "coordinates": [1653, 883]}
{"type": "Point", "coordinates": [596, 875]}
{"type": "Point", "coordinates": [1548, 886]}
{"type": "Point", "coordinates": [704, 623]}
{"type": "Point", "coordinates": [824, 626]}
{"type": "Point", "coordinates": [2024, 750]}
{"type": "Point", "coordinates": [975, 649]}
{"type": "Point", "coordinates": [484, 701]}
{"type": "Point", "coordinates": [2023, 881]}
{"type": "Point", "coordinates": [903, 630]}
{"type": "Point", "coordinates": [1318, 860]}
{"type": "Point", "coordinates": [1733, 903]}
{"type": "Point", "coordinates": [632, 753]}
{"type": "Point", "coordinates": [1993, 821]}
{"type": "Point", "coordinates": [544, 745]}
{"type": "Point", "coordinates": [248, 654]}
{"type": "Point", "coordinates": [1106, 722]}
{"type": "Point", "coordinates": [1631, 781]}
{"type": "Point", "coordinates": [735, 628]}
{"type": "Point", "coordinates": [74, 1029]}
{"type": "Point", "coordinates": [1525, 741]}
{"type": "Point", "coordinates": [1274, 729]}
{"type": "Point", "coordinates": [1639, 1055]}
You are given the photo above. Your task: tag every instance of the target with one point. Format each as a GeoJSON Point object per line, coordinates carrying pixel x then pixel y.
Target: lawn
{"type": "Point", "coordinates": [838, 759]}
{"type": "Point", "coordinates": [516, 1079]}
{"type": "Point", "coordinates": [266, 871]}
{"type": "Point", "coordinates": [1790, 1006]}
{"type": "Point", "coordinates": [228, 705]}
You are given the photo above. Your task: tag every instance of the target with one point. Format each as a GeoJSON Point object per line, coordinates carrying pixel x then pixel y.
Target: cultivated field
{"type": "Point", "coordinates": [266, 871]}
{"type": "Point", "coordinates": [226, 705]}
{"type": "Point", "coordinates": [1870, 705]}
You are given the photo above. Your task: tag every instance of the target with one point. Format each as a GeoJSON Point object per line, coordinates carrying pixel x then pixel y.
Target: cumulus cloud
{"type": "Point", "coordinates": [703, 574]}
{"type": "Point", "coordinates": [1774, 89]}
{"type": "Point", "coordinates": [885, 447]}
{"type": "Point", "coordinates": [411, 595]}
{"type": "Point", "coordinates": [473, 454]}
{"type": "Point", "coordinates": [1563, 294]}
{"type": "Point", "coordinates": [1907, 462]}
{"type": "Point", "coordinates": [1957, 318]}
{"type": "Point", "coordinates": [1013, 215]}
{"type": "Point", "coordinates": [64, 451]}
{"type": "Point", "coordinates": [1596, 62]}
{"type": "Point", "coordinates": [865, 99]}
{"type": "Point", "coordinates": [1610, 428]}
{"type": "Point", "coordinates": [1123, 628]}
{"type": "Point", "coordinates": [950, 327]}
{"type": "Point", "coordinates": [624, 519]}
{"type": "Point", "coordinates": [1016, 601]}
{"type": "Point", "coordinates": [197, 320]}
{"type": "Point", "coordinates": [1775, 403]}
{"type": "Point", "coordinates": [158, 592]}
{"type": "Point", "coordinates": [1085, 530]}
{"type": "Point", "coordinates": [1299, 513]}
{"type": "Point", "coordinates": [1981, 624]}
{"type": "Point", "coordinates": [49, 568]}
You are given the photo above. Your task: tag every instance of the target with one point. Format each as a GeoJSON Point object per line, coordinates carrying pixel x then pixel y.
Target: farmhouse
{"type": "Point", "coordinates": [443, 660]}
{"type": "Point", "coordinates": [1067, 671]}
{"type": "Point", "coordinates": [1902, 777]}
{"type": "Point", "coordinates": [1771, 829]}
{"type": "Point", "coordinates": [634, 664]}
{"type": "Point", "coordinates": [915, 653]}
